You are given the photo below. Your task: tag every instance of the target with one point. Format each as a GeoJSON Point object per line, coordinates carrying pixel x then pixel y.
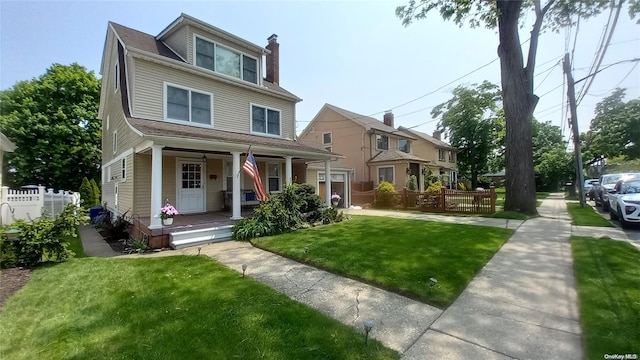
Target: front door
{"type": "Point", "coordinates": [190, 192]}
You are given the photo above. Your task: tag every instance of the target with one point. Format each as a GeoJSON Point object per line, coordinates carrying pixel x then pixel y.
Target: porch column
{"type": "Point", "coordinates": [236, 214]}
{"type": "Point", "coordinates": [288, 172]}
{"type": "Point", "coordinates": [327, 181]}
{"type": "Point", "coordinates": [156, 186]}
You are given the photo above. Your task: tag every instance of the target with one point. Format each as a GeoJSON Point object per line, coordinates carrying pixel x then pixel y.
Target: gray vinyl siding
{"type": "Point", "coordinates": [177, 41]}
{"type": "Point", "coordinates": [231, 104]}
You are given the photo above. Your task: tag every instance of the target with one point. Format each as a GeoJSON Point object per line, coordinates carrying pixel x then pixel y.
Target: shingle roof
{"type": "Point", "coordinates": [139, 40]}
{"type": "Point", "coordinates": [142, 41]}
{"type": "Point", "coordinates": [366, 121]}
{"type": "Point", "coordinates": [393, 155]}
{"type": "Point", "coordinates": [162, 128]}
{"type": "Point", "coordinates": [427, 137]}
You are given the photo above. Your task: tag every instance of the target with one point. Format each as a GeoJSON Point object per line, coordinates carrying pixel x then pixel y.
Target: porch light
{"type": "Point", "coordinates": [199, 248]}
{"type": "Point", "coordinates": [368, 325]}
{"type": "Point", "coordinates": [204, 158]}
{"type": "Point", "coordinates": [244, 268]}
{"type": "Point", "coordinates": [12, 234]}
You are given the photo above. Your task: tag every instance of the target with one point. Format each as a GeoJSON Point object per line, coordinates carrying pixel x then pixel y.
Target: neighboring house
{"type": "Point", "coordinates": [5, 146]}
{"type": "Point", "coordinates": [179, 112]}
{"type": "Point", "coordinates": [374, 150]}
{"type": "Point", "coordinates": [442, 156]}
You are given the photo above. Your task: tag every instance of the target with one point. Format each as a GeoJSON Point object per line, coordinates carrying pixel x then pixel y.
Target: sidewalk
{"type": "Point", "coordinates": [93, 243]}
{"type": "Point", "coordinates": [522, 305]}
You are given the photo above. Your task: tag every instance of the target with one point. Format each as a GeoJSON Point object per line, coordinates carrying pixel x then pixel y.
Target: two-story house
{"type": "Point", "coordinates": [179, 112]}
{"type": "Point", "coordinates": [374, 151]}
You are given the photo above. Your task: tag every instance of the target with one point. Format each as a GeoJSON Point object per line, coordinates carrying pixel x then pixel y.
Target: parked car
{"type": "Point", "coordinates": [624, 201]}
{"type": "Point", "coordinates": [588, 188]}
{"type": "Point", "coordinates": [607, 183]}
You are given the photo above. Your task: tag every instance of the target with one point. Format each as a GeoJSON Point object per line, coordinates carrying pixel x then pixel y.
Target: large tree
{"type": "Point", "coordinates": [615, 129]}
{"type": "Point", "coordinates": [516, 74]}
{"type": "Point", "coordinates": [52, 121]}
{"type": "Point", "coordinates": [551, 160]}
{"type": "Point", "coordinates": [470, 120]}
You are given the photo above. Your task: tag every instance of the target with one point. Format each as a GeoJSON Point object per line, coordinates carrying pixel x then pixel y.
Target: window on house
{"type": "Point", "coordinates": [326, 138]}
{"type": "Point", "coordinates": [452, 157]}
{"type": "Point", "coordinates": [108, 173]}
{"type": "Point", "coordinates": [116, 77]}
{"type": "Point", "coordinates": [123, 168]}
{"type": "Point", "coordinates": [107, 122]}
{"type": "Point", "coordinates": [188, 105]}
{"type": "Point", "coordinates": [115, 142]}
{"type": "Point", "coordinates": [382, 142]}
{"type": "Point", "coordinates": [404, 145]}
{"type": "Point", "coordinates": [223, 60]}
{"type": "Point", "coordinates": [265, 120]}
{"type": "Point", "coordinates": [385, 174]}
{"type": "Point", "coordinates": [442, 155]}
{"type": "Point", "coordinates": [273, 177]}
{"type": "Point", "coordinates": [115, 195]}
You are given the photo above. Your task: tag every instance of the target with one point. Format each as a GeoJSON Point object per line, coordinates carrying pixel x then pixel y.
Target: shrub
{"type": "Point", "coordinates": [384, 195]}
{"type": "Point", "coordinates": [412, 184]}
{"type": "Point", "coordinates": [42, 239]}
{"type": "Point", "coordinates": [96, 192]}
{"type": "Point", "coordinates": [436, 186]}
{"type": "Point", "coordinates": [117, 229]}
{"type": "Point", "coordinates": [87, 198]}
{"type": "Point", "coordinates": [137, 245]}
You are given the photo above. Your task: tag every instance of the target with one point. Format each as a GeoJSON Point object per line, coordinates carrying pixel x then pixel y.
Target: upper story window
{"type": "Point", "coordinates": [452, 157]}
{"type": "Point", "coordinates": [326, 138]}
{"type": "Point", "coordinates": [123, 169]}
{"type": "Point", "coordinates": [188, 105]}
{"type": "Point", "coordinates": [404, 145]}
{"type": "Point", "coordinates": [382, 142]}
{"type": "Point", "coordinates": [265, 120]}
{"type": "Point", "coordinates": [441, 155]}
{"type": "Point", "coordinates": [223, 60]}
{"type": "Point", "coordinates": [116, 77]}
{"type": "Point", "coordinates": [115, 142]}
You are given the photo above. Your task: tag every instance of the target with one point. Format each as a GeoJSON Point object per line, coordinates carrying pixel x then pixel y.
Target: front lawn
{"type": "Point", "coordinates": [166, 308]}
{"type": "Point", "coordinates": [397, 254]}
{"type": "Point", "coordinates": [586, 216]}
{"type": "Point", "coordinates": [608, 277]}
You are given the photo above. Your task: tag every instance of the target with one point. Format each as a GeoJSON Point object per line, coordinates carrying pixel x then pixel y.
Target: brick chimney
{"type": "Point", "coordinates": [273, 60]}
{"type": "Point", "coordinates": [437, 134]}
{"type": "Point", "coordinates": [388, 118]}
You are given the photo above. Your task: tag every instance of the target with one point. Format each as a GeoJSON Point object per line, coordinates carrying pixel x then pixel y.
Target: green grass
{"type": "Point", "coordinates": [586, 216]}
{"type": "Point", "coordinates": [75, 245]}
{"type": "Point", "coordinates": [396, 254]}
{"type": "Point", "coordinates": [166, 308]}
{"type": "Point", "coordinates": [500, 194]}
{"type": "Point", "coordinates": [608, 278]}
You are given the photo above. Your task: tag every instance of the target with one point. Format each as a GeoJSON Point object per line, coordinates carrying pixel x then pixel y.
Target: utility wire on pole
{"type": "Point", "coordinates": [571, 95]}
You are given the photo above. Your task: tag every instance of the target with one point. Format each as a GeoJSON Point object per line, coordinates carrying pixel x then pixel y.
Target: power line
{"type": "Point", "coordinates": [620, 82]}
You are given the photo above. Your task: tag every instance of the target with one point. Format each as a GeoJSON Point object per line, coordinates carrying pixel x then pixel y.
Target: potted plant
{"type": "Point", "coordinates": [167, 213]}
{"type": "Point", "coordinates": [335, 199]}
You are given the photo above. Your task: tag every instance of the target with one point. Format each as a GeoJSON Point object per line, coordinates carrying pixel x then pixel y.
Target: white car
{"type": "Point", "coordinates": [624, 202]}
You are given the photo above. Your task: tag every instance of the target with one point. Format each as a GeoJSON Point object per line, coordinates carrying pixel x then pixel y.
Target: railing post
{"type": "Point", "coordinates": [404, 198]}
{"type": "Point", "coordinates": [443, 199]}
{"type": "Point", "coordinates": [492, 190]}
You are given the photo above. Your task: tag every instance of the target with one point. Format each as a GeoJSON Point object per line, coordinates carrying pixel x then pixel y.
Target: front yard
{"type": "Point", "coordinates": [586, 216]}
{"type": "Point", "coordinates": [166, 308]}
{"type": "Point", "coordinates": [608, 279]}
{"type": "Point", "coordinates": [396, 254]}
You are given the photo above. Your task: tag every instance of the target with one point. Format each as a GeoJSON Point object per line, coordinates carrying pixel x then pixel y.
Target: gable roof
{"type": "Point", "coordinates": [165, 129]}
{"type": "Point", "coordinates": [368, 122]}
{"type": "Point", "coordinates": [429, 138]}
{"type": "Point", "coordinates": [394, 155]}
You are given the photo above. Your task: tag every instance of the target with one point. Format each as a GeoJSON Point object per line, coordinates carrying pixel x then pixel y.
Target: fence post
{"type": "Point", "coordinates": [41, 192]}
{"type": "Point", "coordinates": [404, 198]}
{"type": "Point", "coordinates": [4, 205]}
{"type": "Point", "coordinates": [443, 199]}
{"type": "Point", "coordinates": [492, 190]}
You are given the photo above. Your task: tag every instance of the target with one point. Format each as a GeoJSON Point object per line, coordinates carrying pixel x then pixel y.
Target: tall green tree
{"type": "Point", "coordinates": [615, 129]}
{"type": "Point", "coordinates": [470, 121]}
{"type": "Point", "coordinates": [52, 121]}
{"type": "Point", "coordinates": [552, 162]}
{"type": "Point", "coordinates": [516, 72]}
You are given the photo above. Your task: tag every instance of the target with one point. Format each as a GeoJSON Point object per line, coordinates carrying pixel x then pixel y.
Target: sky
{"type": "Point", "coordinates": [354, 54]}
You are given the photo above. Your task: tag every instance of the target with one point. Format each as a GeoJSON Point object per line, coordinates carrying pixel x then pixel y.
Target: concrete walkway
{"type": "Point", "coordinates": [93, 243]}
{"type": "Point", "coordinates": [522, 304]}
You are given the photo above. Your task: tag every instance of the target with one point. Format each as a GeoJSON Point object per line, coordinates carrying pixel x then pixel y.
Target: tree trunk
{"type": "Point", "coordinates": [519, 103]}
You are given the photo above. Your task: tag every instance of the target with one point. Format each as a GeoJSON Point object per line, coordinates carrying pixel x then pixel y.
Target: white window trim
{"type": "Point", "coordinates": [393, 170]}
{"type": "Point", "coordinates": [108, 173]}
{"type": "Point", "coordinates": [266, 119]}
{"type": "Point", "coordinates": [330, 142]}
{"type": "Point", "coordinates": [123, 169]}
{"type": "Point", "coordinates": [115, 195]}
{"type": "Point", "coordinates": [114, 139]}
{"type": "Point", "coordinates": [189, 122]}
{"type": "Point", "coordinates": [388, 141]}
{"type": "Point", "coordinates": [107, 122]}
{"type": "Point", "coordinates": [216, 44]}
{"type": "Point", "coordinates": [444, 157]}
{"type": "Point", "coordinates": [116, 79]}
{"type": "Point", "coordinates": [279, 175]}
{"type": "Point", "coordinates": [408, 142]}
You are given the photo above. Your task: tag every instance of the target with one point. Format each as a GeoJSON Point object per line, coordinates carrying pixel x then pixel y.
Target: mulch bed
{"type": "Point", "coordinates": [117, 245]}
{"type": "Point", "coordinates": [12, 280]}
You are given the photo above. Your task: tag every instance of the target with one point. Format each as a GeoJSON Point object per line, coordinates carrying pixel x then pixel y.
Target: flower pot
{"type": "Point", "coordinates": [335, 202]}
{"type": "Point", "coordinates": [167, 221]}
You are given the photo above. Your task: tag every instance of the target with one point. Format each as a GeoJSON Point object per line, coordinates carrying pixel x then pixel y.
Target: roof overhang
{"type": "Point", "coordinates": [6, 144]}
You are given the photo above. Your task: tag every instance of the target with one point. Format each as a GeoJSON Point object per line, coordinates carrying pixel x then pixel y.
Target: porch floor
{"type": "Point", "coordinates": [194, 221]}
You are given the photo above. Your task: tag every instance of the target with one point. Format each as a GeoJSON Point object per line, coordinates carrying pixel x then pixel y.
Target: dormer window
{"type": "Point", "coordinates": [223, 60]}
{"type": "Point", "coordinates": [382, 142]}
{"type": "Point", "coordinates": [404, 145]}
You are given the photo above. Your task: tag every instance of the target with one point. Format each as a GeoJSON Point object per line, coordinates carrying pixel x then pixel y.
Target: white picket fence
{"type": "Point", "coordinates": [29, 204]}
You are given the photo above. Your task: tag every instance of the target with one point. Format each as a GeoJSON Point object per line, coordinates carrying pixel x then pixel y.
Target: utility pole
{"type": "Point", "coordinates": [571, 94]}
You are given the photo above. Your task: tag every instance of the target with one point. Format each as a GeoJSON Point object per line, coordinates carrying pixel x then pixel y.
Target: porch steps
{"type": "Point", "coordinates": [183, 239]}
